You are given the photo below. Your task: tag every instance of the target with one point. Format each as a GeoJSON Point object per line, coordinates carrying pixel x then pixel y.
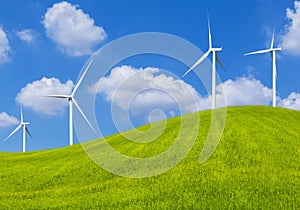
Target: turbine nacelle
{"type": "Point", "coordinates": [215, 49]}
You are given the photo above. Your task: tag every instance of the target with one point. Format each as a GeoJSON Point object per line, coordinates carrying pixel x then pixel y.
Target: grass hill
{"type": "Point", "coordinates": [255, 166]}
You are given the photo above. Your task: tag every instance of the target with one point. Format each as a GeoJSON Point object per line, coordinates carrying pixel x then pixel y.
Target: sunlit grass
{"type": "Point", "coordinates": [256, 166]}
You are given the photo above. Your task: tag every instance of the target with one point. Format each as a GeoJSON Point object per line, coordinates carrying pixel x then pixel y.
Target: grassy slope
{"type": "Point", "coordinates": [256, 165]}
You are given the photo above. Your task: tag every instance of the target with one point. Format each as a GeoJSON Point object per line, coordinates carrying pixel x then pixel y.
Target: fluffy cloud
{"type": "Point", "coordinates": [291, 102]}
{"type": "Point", "coordinates": [290, 41]}
{"type": "Point", "coordinates": [7, 120]}
{"type": "Point", "coordinates": [29, 96]}
{"type": "Point", "coordinates": [4, 47]}
{"type": "Point", "coordinates": [73, 31]}
{"type": "Point", "coordinates": [248, 91]}
{"type": "Point", "coordinates": [26, 35]}
{"type": "Point", "coordinates": [245, 91]}
{"type": "Point", "coordinates": [146, 89]}
{"type": "Point", "coordinates": [125, 82]}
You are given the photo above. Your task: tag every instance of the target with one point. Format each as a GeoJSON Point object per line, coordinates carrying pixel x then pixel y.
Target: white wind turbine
{"type": "Point", "coordinates": [25, 130]}
{"type": "Point", "coordinates": [212, 50]}
{"type": "Point", "coordinates": [271, 50]}
{"type": "Point", "coordinates": [72, 101]}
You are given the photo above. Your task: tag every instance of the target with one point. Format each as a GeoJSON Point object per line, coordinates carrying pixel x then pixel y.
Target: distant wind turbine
{"type": "Point", "coordinates": [273, 55]}
{"type": "Point", "coordinates": [72, 101]}
{"type": "Point", "coordinates": [214, 58]}
{"type": "Point", "coordinates": [25, 130]}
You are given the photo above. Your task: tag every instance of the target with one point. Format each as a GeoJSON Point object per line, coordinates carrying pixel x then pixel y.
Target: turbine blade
{"type": "Point", "coordinates": [28, 131]}
{"type": "Point", "coordinates": [209, 33]}
{"type": "Point", "coordinates": [55, 96]}
{"type": "Point", "coordinates": [83, 115]}
{"type": "Point", "coordinates": [272, 42]}
{"type": "Point", "coordinates": [197, 63]}
{"type": "Point", "coordinates": [81, 78]}
{"type": "Point", "coordinates": [258, 52]}
{"type": "Point", "coordinates": [22, 115]}
{"type": "Point", "coordinates": [276, 73]}
{"type": "Point", "coordinates": [219, 61]}
{"type": "Point", "coordinates": [14, 131]}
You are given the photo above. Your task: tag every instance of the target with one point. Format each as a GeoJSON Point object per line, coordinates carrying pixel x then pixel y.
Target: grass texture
{"type": "Point", "coordinates": [255, 166]}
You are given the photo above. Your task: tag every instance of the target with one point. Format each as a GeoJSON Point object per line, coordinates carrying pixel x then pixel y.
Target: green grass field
{"type": "Point", "coordinates": [255, 166]}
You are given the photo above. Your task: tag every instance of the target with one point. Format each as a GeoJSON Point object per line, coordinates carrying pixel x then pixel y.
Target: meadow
{"type": "Point", "coordinates": [255, 166]}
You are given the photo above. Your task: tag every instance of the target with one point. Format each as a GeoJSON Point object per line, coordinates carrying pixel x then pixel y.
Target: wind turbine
{"type": "Point", "coordinates": [215, 58]}
{"type": "Point", "coordinates": [271, 50]}
{"type": "Point", "coordinates": [25, 130]}
{"type": "Point", "coordinates": [72, 101]}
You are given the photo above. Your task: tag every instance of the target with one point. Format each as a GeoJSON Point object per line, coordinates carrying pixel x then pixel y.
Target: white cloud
{"type": "Point", "coordinates": [26, 35]}
{"type": "Point", "coordinates": [290, 41]}
{"type": "Point", "coordinates": [291, 102]}
{"type": "Point", "coordinates": [146, 89]}
{"type": "Point", "coordinates": [245, 91]}
{"type": "Point", "coordinates": [250, 91]}
{"type": "Point", "coordinates": [4, 47]}
{"type": "Point", "coordinates": [7, 120]}
{"type": "Point", "coordinates": [29, 95]}
{"type": "Point", "coordinates": [242, 91]}
{"type": "Point", "coordinates": [73, 31]}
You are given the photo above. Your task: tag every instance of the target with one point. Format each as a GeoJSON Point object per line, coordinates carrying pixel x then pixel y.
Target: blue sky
{"type": "Point", "coordinates": [38, 54]}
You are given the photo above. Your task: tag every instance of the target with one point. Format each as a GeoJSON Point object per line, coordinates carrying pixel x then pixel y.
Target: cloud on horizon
{"type": "Point", "coordinates": [245, 90]}
{"type": "Point", "coordinates": [291, 102]}
{"type": "Point", "coordinates": [126, 80]}
{"type": "Point", "coordinates": [73, 31]}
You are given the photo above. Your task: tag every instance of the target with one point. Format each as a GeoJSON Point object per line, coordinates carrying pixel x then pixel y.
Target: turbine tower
{"type": "Point", "coordinates": [25, 130]}
{"type": "Point", "coordinates": [271, 50]}
{"type": "Point", "coordinates": [215, 58]}
{"type": "Point", "coordinates": [72, 101]}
